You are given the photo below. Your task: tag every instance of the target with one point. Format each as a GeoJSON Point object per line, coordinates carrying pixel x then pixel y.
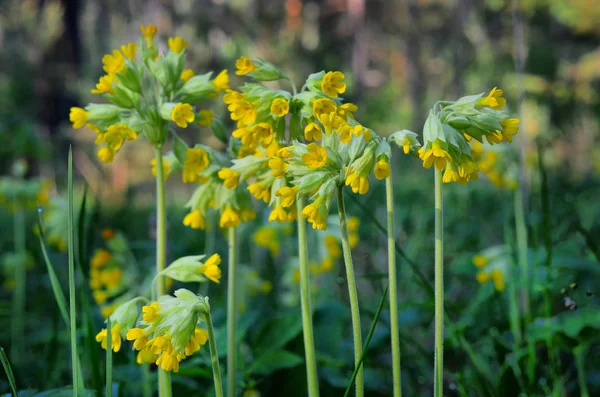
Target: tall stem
{"type": "Point", "coordinates": [18, 325]}
{"type": "Point", "coordinates": [164, 382]}
{"type": "Point", "coordinates": [439, 287]}
{"type": "Point", "coordinates": [357, 335]}
{"type": "Point", "coordinates": [214, 356]}
{"type": "Point", "coordinates": [71, 255]}
{"type": "Point", "coordinates": [580, 364]}
{"type": "Point", "coordinates": [231, 312]}
{"type": "Point", "coordinates": [392, 282]}
{"type": "Point", "coordinates": [521, 230]}
{"type": "Point", "coordinates": [309, 344]}
{"type": "Point", "coordinates": [108, 358]}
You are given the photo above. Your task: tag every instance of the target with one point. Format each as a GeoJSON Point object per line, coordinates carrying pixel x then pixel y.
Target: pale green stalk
{"type": "Point", "coordinates": [108, 358]}
{"type": "Point", "coordinates": [309, 344]}
{"type": "Point", "coordinates": [580, 364]}
{"type": "Point", "coordinates": [164, 382]}
{"type": "Point", "coordinates": [439, 288]}
{"type": "Point", "coordinates": [353, 295]}
{"type": "Point", "coordinates": [18, 324]}
{"type": "Point", "coordinates": [392, 282]}
{"type": "Point", "coordinates": [214, 356]}
{"type": "Point", "coordinates": [231, 313]}
{"type": "Point", "coordinates": [522, 244]}
{"type": "Point", "coordinates": [514, 315]}
{"type": "Point", "coordinates": [72, 306]}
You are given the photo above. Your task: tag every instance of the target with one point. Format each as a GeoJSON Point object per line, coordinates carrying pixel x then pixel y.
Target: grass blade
{"type": "Point", "coordinates": [369, 337]}
{"type": "Point", "coordinates": [9, 372]}
{"type": "Point", "coordinates": [72, 306]}
{"type": "Point", "coordinates": [108, 358]}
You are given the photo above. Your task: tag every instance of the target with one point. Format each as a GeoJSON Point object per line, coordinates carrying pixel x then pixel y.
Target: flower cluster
{"type": "Point", "coordinates": [147, 93]}
{"type": "Point", "coordinates": [328, 149]}
{"type": "Point", "coordinates": [452, 124]}
{"type": "Point", "coordinates": [492, 264]}
{"type": "Point", "coordinates": [191, 269]}
{"type": "Point", "coordinates": [497, 163]}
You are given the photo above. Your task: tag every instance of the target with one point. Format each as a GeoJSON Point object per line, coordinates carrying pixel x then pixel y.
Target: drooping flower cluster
{"type": "Point", "coordinates": [147, 94]}
{"type": "Point", "coordinates": [498, 163]}
{"type": "Point", "coordinates": [327, 146]}
{"type": "Point", "coordinates": [492, 264]}
{"type": "Point", "coordinates": [452, 124]}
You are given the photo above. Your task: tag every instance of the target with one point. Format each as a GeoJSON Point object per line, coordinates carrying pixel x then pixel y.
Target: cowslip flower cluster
{"type": "Point", "coordinates": [452, 124]}
{"type": "Point", "coordinates": [497, 163]}
{"type": "Point", "coordinates": [149, 94]}
{"type": "Point", "coordinates": [492, 264]}
{"type": "Point", "coordinates": [168, 331]}
{"type": "Point", "coordinates": [192, 269]}
{"type": "Point", "coordinates": [328, 147]}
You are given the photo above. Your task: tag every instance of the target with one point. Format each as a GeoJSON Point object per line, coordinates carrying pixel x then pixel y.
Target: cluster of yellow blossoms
{"type": "Point", "coordinates": [452, 125]}
{"type": "Point", "coordinates": [492, 264]}
{"type": "Point", "coordinates": [497, 163]}
{"type": "Point", "coordinates": [322, 148]}
{"type": "Point", "coordinates": [139, 108]}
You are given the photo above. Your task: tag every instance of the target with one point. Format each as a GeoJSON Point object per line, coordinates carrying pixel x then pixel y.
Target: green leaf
{"type": "Point", "coordinates": [273, 361]}
{"type": "Point", "coordinates": [9, 372]}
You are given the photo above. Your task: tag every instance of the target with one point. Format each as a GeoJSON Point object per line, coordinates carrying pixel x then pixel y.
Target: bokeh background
{"type": "Point", "coordinates": [399, 57]}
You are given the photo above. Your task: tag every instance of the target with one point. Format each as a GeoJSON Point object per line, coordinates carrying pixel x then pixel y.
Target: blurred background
{"type": "Point", "coordinates": [399, 57]}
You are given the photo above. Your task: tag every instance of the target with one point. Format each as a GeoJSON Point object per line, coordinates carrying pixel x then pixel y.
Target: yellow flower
{"type": "Point", "coordinates": [221, 82]}
{"type": "Point", "coordinates": [280, 107]}
{"type": "Point", "coordinates": [312, 132]}
{"type": "Point", "coordinates": [333, 84]}
{"type": "Point", "coordinates": [104, 85]}
{"type": "Point", "coordinates": [494, 100]}
{"type": "Point", "coordinates": [106, 311]}
{"type": "Point", "coordinates": [129, 50]}
{"type": "Point", "coordinates": [359, 184]}
{"type": "Point", "coordinates": [494, 137]}
{"type": "Point", "coordinates": [267, 237]}
{"type": "Point", "coordinates": [510, 127]}
{"type": "Point", "coordinates": [247, 214]}
{"type": "Point", "coordinates": [194, 219]}
{"type": "Point", "coordinates": [138, 336]}
{"type": "Point", "coordinates": [106, 155]}
{"type": "Point", "coordinates": [115, 337]}
{"type": "Point", "coordinates": [229, 218]}
{"type": "Point", "coordinates": [244, 66]}
{"type": "Point", "coordinates": [198, 338]}
{"type": "Point", "coordinates": [480, 261]}
{"type": "Point", "coordinates": [243, 112]}
{"type": "Point", "coordinates": [278, 166]}
{"type": "Point", "coordinates": [114, 63]}
{"type": "Point", "coordinates": [345, 132]}
{"type": "Point", "coordinates": [450, 175]}
{"type": "Point", "coordinates": [382, 169]}
{"type": "Point", "coordinates": [436, 155]}
{"type": "Point", "coordinates": [353, 224]}
{"type": "Point", "coordinates": [483, 277]}
{"type": "Point", "coordinates": [166, 168]}
{"type": "Point", "coordinates": [148, 31]}
{"type": "Point", "coordinates": [160, 344]}
{"type": "Point", "coordinates": [353, 240]}
{"type": "Point", "coordinates": [196, 161]}
{"type": "Point", "coordinates": [150, 312]}
{"type": "Point", "coordinates": [177, 44]}
{"type": "Point", "coordinates": [230, 178]}
{"type": "Point", "coordinates": [78, 117]}
{"type": "Point", "coordinates": [333, 246]}
{"type": "Point", "coordinates": [406, 145]}
{"type": "Point", "coordinates": [287, 196]}
{"type": "Point", "coordinates": [100, 296]}
{"type": "Point", "coordinates": [210, 269]}
{"type": "Point", "coordinates": [145, 356]}
{"type": "Point", "coordinates": [260, 192]}
{"type": "Point", "coordinates": [266, 287]}
{"type": "Point", "coordinates": [323, 106]}
{"type": "Point", "coordinates": [101, 258]}
{"type": "Point", "coordinates": [182, 114]}
{"type": "Point", "coordinates": [206, 117]}
{"type": "Point", "coordinates": [187, 74]}
{"type": "Point", "coordinates": [111, 278]}
{"type": "Point", "coordinates": [168, 361]}
{"type": "Point", "coordinates": [316, 156]}
{"type": "Point", "coordinates": [498, 278]}
{"type": "Point", "coordinates": [278, 214]}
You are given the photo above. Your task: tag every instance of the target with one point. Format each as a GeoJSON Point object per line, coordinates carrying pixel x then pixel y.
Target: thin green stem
{"type": "Point", "coordinates": [513, 302]}
{"type": "Point", "coordinates": [580, 364]}
{"type": "Point", "coordinates": [309, 344]}
{"type": "Point", "coordinates": [392, 282]}
{"type": "Point", "coordinates": [164, 382]}
{"type": "Point", "coordinates": [108, 358]}
{"type": "Point", "coordinates": [71, 254]}
{"type": "Point", "coordinates": [18, 324]}
{"type": "Point", "coordinates": [214, 356]}
{"type": "Point", "coordinates": [439, 287]}
{"type": "Point", "coordinates": [522, 244]}
{"type": "Point", "coordinates": [353, 295]}
{"type": "Point", "coordinates": [231, 313]}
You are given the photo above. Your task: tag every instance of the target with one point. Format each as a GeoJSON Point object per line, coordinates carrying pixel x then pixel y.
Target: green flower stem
{"type": "Point", "coordinates": [214, 356]}
{"type": "Point", "coordinates": [580, 364]}
{"type": "Point", "coordinates": [71, 257]}
{"type": "Point", "coordinates": [513, 301]}
{"type": "Point", "coordinates": [521, 230]}
{"type": "Point", "coordinates": [108, 358]}
{"type": "Point", "coordinates": [392, 282]}
{"type": "Point", "coordinates": [231, 312]}
{"type": "Point", "coordinates": [351, 293]}
{"type": "Point", "coordinates": [164, 382]}
{"type": "Point", "coordinates": [439, 288]}
{"type": "Point", "coordinates": [309, 344]}
{"type": "Point", "coordinates": [18, 324]}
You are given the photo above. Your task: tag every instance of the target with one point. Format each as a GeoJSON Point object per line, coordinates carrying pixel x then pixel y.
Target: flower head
{"type": "Point", "coordinates": [177, 44]}
{"type": "Point", "coordinates": [316, 156]}
{"type": "Point", "coordinates": [182, 114]}
{"type": "Point", "coordinates": [280, 107]}
{"type": "Point", "coordinates": [333, 84]}
{"type": "Point", "coordinates": [244, 66]}
{"type": "Point", "coordinates": [493, 100]}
